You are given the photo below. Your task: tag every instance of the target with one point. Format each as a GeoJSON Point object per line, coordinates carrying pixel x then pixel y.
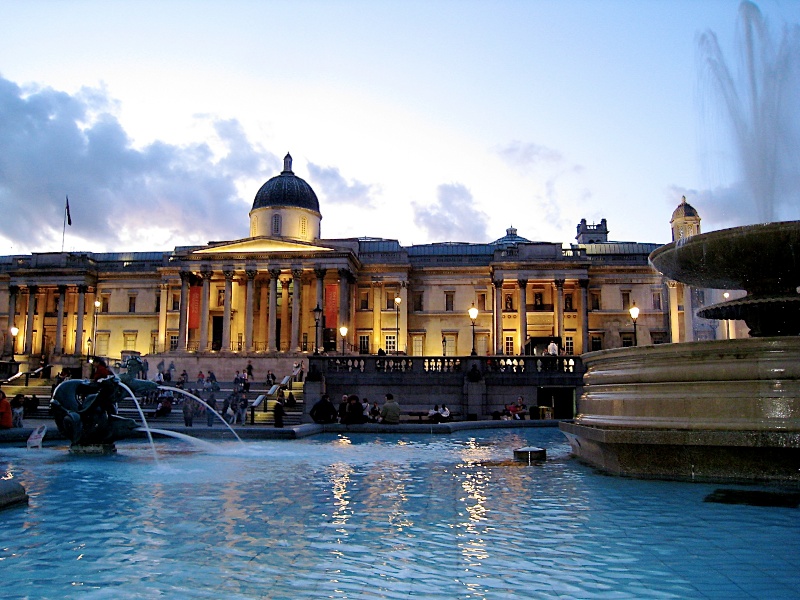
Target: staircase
{"type": "Point", "coordinates": [265, 414]}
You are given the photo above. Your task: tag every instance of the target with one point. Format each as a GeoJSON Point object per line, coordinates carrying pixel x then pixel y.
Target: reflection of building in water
{"type": "Point", "coordinates": [258, 295]}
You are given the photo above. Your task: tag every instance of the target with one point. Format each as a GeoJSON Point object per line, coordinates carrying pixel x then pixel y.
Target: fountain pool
{"type": "Point", "coordinates": [387, 516]}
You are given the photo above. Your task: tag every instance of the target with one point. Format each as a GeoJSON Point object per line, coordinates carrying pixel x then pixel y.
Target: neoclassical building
{"type": "Point", "coordinates": [285, 290]}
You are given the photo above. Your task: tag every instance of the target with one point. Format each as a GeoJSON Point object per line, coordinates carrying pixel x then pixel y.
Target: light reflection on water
{"type": "Point", "coordinates": [360, 516]}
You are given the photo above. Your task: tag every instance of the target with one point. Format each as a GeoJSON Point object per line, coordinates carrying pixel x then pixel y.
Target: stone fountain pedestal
{"type": "Point", "coordinates": [724, 410]}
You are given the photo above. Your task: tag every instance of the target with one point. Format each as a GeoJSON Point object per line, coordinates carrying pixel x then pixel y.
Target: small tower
{"type": "Point", "coordinates": [592, 234]}
{"type": "Point", "coordinates": [685, 221]}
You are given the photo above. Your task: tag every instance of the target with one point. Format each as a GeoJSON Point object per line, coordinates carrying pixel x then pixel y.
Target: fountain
{"type": "Point", "coordinates": [725, 409]}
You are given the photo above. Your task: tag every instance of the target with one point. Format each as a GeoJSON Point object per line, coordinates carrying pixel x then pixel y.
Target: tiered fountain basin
{"type": "Point", "coordinates": [714, 410]}
{"type": "Point", "coordinates": [720, 410]}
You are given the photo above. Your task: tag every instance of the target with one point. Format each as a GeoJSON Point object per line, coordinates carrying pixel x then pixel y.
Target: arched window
{"type": "Point", "coordinates": [276, 224]}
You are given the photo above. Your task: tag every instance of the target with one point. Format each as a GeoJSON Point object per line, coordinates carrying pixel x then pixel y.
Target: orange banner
{"type": "Point", "coordinates": [194, 306]}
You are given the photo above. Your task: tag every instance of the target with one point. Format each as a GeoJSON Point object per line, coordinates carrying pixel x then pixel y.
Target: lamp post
{"type": "Point", "coordinates": [473, 314]}
{"type": "Point", "coordinates": [89, 351]}
{"type": "Point", "coordinates": [14, 332]}
{"type": "Point", "coordinates": [343, 332]}
{"type": "Point", "coordinates": [97, 305]}
{"type": "Point", "coordinates": [397, 301]}
{"type": "Point", "coordinates": [634, 310]}
{"type": "Point", "coordinates": [444, 346]}
{"type": "Point", "coordinates": [726, 295]}
{"type": "Point", "coordinates": [317, 316]}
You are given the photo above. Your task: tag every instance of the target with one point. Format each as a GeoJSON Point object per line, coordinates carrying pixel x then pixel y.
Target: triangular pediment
{"type": "Point", "coordinates": [261, 245]}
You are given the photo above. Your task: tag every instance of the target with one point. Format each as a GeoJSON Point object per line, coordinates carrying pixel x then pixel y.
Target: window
{"type": "Point", "coordinates": [173, 341]}
{"type": "Point", "coordinates": [450, 345]}
{"type": "Point", "coordinates": [701, 297]}
{"type": "Point", "coordinates": [448, 301]}
{"type": "Point", "coordinates": [154, 343]}
{"type": "Point", "coordinates": [594, 300]}
{"type": "Point", "coordinates": [158, 303]}
{"type": "Point", "coordinates": [417, 348]}
{"type": "Point", "coordinates": [481, 303]}
{"type": "Point", "coordinates": [658, 337]}
{"type": "Point", "coordinates": [363, 343]}
{"type": "Point", "coordinates": [509, 345]}
{"type": "Point", "coordinates": [626, 300]}
{"type": "Point", "coordinates": [627, 340]}
{"type": "Point", "coordinates": [363, 299]}
{"type": "Point", "coordinates": [597, 342]}
{"type": "Point", "coordinates": [390, 296]}
{"type": "Point", "coordinates": [131, 308]}
{"type": "Point", "coordinates": [276, 224]}
{"type": "Point", "coordinates": [656, 300]}
{"type": "Point", "coordinates": [102, 344]}
{"type": "Point", "coordinates": [129, 340]}
{"type": "Point", "coordinates": [303, 226]}
{"type": "Point", "coordinates": [391, 343]}
{"type": "Point", "coordinates": [416, 299]}
{"type": "Point", "coordinates": [569, 345]}
{"type": "Point", "coordinates": [176, 302]}
{"type": "Point", "coordinates": [104, 304]}
{"type": "Point", "coordinates": [304, 343]}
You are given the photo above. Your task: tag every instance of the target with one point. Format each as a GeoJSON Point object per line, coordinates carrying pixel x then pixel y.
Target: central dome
{"type": "Point", "coordinates": [286, 189]}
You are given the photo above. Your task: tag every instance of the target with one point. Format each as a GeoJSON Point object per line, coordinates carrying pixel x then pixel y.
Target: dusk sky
{"type": "Point", "coordinates": [422, 121]}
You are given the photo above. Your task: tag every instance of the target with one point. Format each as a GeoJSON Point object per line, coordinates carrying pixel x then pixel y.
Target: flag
{"type": "Point", "coordinates": [69, 216]}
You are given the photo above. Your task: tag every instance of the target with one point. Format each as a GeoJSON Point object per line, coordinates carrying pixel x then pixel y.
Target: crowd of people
{"type": "Point", "coordinates": [353, 410]}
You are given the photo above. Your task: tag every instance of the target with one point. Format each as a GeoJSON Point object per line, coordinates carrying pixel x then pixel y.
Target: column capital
{"type": "Point", "coordinates": [297, 274]}
{"type": "Point", "coordinates": [320, 272]}
{"type": "Point", "coordinates": [82, 289]}
{"type": "Point", "coordinates": [34, 289]}
{"type": "Point", "coordinates": [274, 273]}
{"type": "Point", "coordinates": [497, 283]}
{"type": "Point", "coordinates": [13, 290]}
{"type": "Point", "coordinates": [228, 275]}
{"type": "Point", "coordinates": [584, 283]}
{"type": "Point", "coordinates": [206, 274]}
{"type": "Point", "coordinates": [62, 289]}
{"type": "Point", "coordinates": [185, 276]}
{"type": "Point", "coordinates": [522, 282]}
{"type": "Point", "coordinates": [672, 283]}
{"type": "Point", "coordinates": [251, 274]}
{"type": "Point", "coordinates": [559, 283]}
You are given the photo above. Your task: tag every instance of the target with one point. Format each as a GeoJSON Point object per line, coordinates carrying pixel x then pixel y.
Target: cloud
{"type": "Point", "coordinates": [526, 156]}
{"type": "Point", "coordinates": [54, 144]}
{"type": "Point", "coordinates": [337, 190]}
{"type": "Point", "coordinates": [453, 217]}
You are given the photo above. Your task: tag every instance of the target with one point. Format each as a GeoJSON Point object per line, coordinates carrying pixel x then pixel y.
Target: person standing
{"type": "Point", "coordinates": [279, 412]}
{"type": "Point", "coordinates": [390, 413]}
{"type": "Point", "coordinates": [17, 410]}
{"type": "Point", "coordinates": [212, 406]}
{"type": "Point", "coordinates": [6, 418]}
{"type": "Point", "coordinates": [188, 412]}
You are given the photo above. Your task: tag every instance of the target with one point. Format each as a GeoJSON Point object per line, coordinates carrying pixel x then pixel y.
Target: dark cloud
{"type": "Point", "coordinates": [53, 144]}
{"type": "Point", "coordinates": [337, 190]}
{"type": "Point", "coordinates": [453, 217]}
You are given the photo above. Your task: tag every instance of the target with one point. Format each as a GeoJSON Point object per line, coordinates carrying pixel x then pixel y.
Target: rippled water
{"type": "Point", "coordinates": [378, 517]}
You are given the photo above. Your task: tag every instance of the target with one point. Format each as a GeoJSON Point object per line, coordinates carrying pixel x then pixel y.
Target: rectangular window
{"type": "Point", "coordinates": [594, 300]}
{"type": "Point", "coordinates": [656, 300]}
{"type": "Point", "coordinates": [449, 298]}
{"type": "Point", "coordinates": [276, 224]}
{"type": "Point", "coordinates": [303, 226]}
{"type": "Point", "coordinates": [450, 345]}
{"type": "Point", "coordinates": [597, 343]}
{"type": "Point", "coordinates": [363, 343]}
{"type": "Point", "coordinates": [481, 345]}
{"type": "Point", "coordinates": [569, 345]}
{"type": "Point", "coordinates": [658, 337]}
{"type": "Point", "coordinates": [131, 306]}
{"type": "Point", "coordinates": [416, 299]}
{"type": "Point", "coordinates": [158, 303]}
{"type": "Point", "coordinates": [129, 340]}
{"type": "Point", "coordinates": [417, 347]}
{"type": "Point", "coordinates": [102, 344]}
{"type": "Point", "coordinates": [304, 346]}
{"type": "Point", "coordinates": [481, 303]}
{"type": "Point", "coordinates": [176, 302]}
{"type": "Point", "coordinates": [701, 297]}
{"type": "Point", "coordinates": [363, 299]}
{"type": "Point", "coordinates": [390, 296]}
{"type": "Point", "coordinates": [154, 343]}
{"type": "Point", "coordinates": [509, 345]}
{"type": "Point", "coordinates": [391, 343]}
{"type": "Point", "coordinates": [627, 340]}
{"type": "Point", "coordinates": [173, 341]}
{"type": "Point", "coordinates": [626, 300]}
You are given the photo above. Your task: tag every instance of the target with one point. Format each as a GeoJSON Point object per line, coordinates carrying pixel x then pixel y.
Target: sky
{"type": "Point", "coordinates": [421, 121]}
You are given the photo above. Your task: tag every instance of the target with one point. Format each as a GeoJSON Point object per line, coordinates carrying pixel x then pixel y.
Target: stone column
{"type": "Point", "coordinates": [272, 335]}
{"type": "Point", "coordinates": [184, 311]}
{"type": "Point", "coordinates": [286, 329]}
{"type": "Point", "coordinates": [60, 298]}
{"type": "Point", "coordinates": [319, 272]}
{"type": "Point", "coordinates": [226, 311]}
{"type": "Point", "coordinates": [674, 322]}
{"type": "Point", "coordinates": [584, 283]}
{"type": "Point", "coordinates": [205, 301]}
{"type": "Point", "coordinates": [263, 311]}
{"type": "Point", "coordinates": [688, 314]}
{"type": "Point", "coordinates": [13, 294]}
{"type": "Point", "coordinates": [78, 350]}
{"type": "Point", "coordinates": [32, 291]}
{"type": "Point", "coordinates": [248, 309]}
{"type": "Point", "coordinates": [344, 309]}
{"type": "Point", "coordinates": [403, 318]}
{"type": "Point", "coordinates": [498, 315]}
{"type": "Point", "coordinates": [523, 314]}
{"type": "Point", "coordinates": [297, 279]}
{"type": "Point", "coordinates": [377, 310]}
{"type": "Point", "coordinates": [559, 308]}
{"type": "Point", "coordinates": [162, 317]}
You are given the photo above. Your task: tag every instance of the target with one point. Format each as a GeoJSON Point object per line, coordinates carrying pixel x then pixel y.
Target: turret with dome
{"type": "Point", "coordinates": [286, 207]}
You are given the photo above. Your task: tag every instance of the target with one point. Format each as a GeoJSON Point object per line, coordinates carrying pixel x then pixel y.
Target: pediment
{"type": "Point", "coordinates": [261, 245]}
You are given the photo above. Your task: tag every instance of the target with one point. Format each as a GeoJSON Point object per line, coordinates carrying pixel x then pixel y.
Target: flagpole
{"type": "Point", "coordinates": [64, 230]}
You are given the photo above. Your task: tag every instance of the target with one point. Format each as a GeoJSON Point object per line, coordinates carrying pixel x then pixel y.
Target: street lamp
{"type": "Point", "coordinates": [473, 314]}
{"type": "Point", "coordinates": [89, 351]}
{"type": "Point", "coordinates": [726, 295]}
{"type": "Point", "coordinates": [14, 332]}
{"type": "Point", "coordinates": [317, 316]}
{"type": "Point", "coordinates": [634, 310]}
{"type": "Point", "coordinates": [343, 332]}
{"type": "Point", "coordinates": [97, 305]}
{"type": "Point", "coordinates": [397, 301]}
{"type": "Point", "coordinates": [444, 346]}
